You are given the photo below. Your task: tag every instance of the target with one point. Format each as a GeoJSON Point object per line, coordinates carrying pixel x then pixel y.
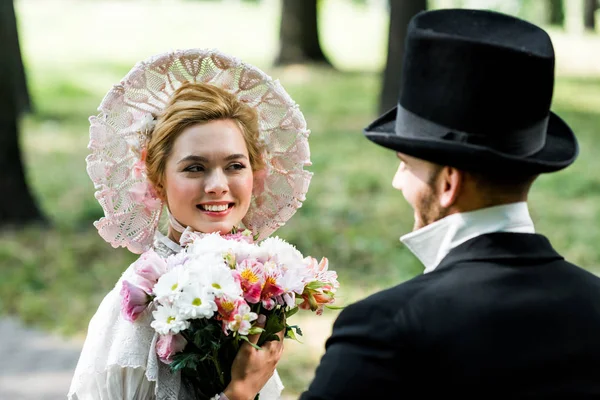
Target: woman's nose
{"type": "Point", "coordinates": [216, 183]}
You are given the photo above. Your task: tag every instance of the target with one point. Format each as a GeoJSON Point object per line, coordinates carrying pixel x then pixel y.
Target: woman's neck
{"type": "Point", "coordinates": [173, 234]}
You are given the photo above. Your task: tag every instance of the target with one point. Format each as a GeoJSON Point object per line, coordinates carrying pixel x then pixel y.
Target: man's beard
{"type": "Point", "coordinates": [428, 210]}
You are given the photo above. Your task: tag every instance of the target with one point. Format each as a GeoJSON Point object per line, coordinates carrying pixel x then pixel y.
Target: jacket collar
{"type": "Point", "coordinates": [503, 246]}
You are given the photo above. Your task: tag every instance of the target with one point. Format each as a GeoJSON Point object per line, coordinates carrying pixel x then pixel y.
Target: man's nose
{"type": "Point", "coordinates": [397, 182]}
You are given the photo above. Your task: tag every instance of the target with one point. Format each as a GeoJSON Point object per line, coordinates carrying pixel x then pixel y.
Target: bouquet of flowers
{"type": "Point", "coordinates": [206, 300]}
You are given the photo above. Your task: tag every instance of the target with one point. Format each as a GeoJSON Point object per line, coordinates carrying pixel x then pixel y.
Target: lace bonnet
{"type": "Point", "coordinates": [126, 118]}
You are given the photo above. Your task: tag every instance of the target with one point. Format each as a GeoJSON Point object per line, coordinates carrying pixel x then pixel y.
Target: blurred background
{"type": "Point", "coordinates": [339, 60]}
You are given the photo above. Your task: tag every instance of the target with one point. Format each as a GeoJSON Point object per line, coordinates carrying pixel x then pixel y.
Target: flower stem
{"type": "Point", "coordinates": [215, 359]}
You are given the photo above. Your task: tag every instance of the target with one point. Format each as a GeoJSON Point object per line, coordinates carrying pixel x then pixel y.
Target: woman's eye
{"type": "Point", "coordinates": [237, 166]}
{"type": "Point", "coordinates": [194, 168]}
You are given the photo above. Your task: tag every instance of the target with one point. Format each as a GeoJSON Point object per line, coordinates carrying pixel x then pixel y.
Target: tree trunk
{"type": "Point", "coordinates": [556, 12]}
{"type": "Point", "coordinates": [589, 10]}
{"type": "Point", "coordinates": [299, 34]}
{"type": "Point", "coordinates": [401, 11]}
{"type": "Point", "coordinates": [17, 205]}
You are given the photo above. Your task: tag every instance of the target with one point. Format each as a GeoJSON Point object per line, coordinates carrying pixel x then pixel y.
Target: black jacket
{"type": "Point", "coordinates": [502, 316]}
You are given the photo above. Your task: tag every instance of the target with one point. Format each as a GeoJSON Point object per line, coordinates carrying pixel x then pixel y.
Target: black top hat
{"type": "Point", "coordinates": [476, 92]}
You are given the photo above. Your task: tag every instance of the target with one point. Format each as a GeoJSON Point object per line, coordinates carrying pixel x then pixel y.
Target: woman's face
{"type": "Point", "coordinates": [208, 177]}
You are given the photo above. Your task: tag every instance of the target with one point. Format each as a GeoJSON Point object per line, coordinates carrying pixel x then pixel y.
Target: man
{"type": "Point", "coordinates": [498, 312]}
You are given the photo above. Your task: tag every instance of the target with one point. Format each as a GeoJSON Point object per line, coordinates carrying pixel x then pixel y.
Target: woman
{"type": "Point", "coordinates": [218, 145]}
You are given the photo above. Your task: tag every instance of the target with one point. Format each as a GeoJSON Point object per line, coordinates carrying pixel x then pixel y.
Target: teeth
{"type": "Point", "coordinates": [216, 208]}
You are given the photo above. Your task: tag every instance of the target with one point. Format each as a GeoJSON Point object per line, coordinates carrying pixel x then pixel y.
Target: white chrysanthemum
{"type": "Point", "coordinates": [244, 250]}
{"type": "Point", "coordinates": [170, 285]}
{"type": "Point", "coordinates": [196, 302]}
{"type": "Point", "coordinates": [282, 252]}
{"type": "Point", "coordinates": [211, 243]}
{"type": "Point", "coordinates": [167, 320]}
{"type": "Point", "coordinates": [220, 281]}
{"type": "Point", "coordinates": [199, 262]}
{"type": "Point", "coordinates": [176, 260]}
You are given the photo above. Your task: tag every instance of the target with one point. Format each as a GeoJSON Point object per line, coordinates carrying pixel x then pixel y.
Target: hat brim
{"type": "Point", "coordinates": [559, 151]}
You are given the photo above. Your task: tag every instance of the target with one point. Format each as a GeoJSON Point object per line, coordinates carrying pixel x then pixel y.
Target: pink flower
{"type": "Point", "coordinates": [143, 192]}
{"type": "Point", "coordinates": [134, 301]}
{"type": "Point", "coordinates": [139, 168]}
{"type": "Point", "coordinates": [169, 345]}
{"type": "Point", "coordinates": [321, 273]}
{"type": "Point", "coordinates": [315, 301]}
{"type": "Point", "coordinates": [242, 236]}
{"type": "Point", "coordinates": [227, 308]}
{"type": "Point", "coordinates": [271, 287]}
{"type": "Point", "coordinates": [321, 290]}
{"type": "Point", "coordinates": [251, 277]}
{"type": "Point", "coordinates": [242, 320]}
{"type": "Point", "coordinates": [287, 299]}
{"type": "Point", "coordinates": [150, 267]}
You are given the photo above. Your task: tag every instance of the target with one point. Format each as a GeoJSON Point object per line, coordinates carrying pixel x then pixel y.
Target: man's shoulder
{"type": "Point", "coordinates": [386, 303]}
{"type": "Point", "coordinates": [457, 281]}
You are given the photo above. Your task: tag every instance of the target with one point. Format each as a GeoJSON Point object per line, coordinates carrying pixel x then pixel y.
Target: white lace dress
{"type": "Point", "coordinates": [119, 361]}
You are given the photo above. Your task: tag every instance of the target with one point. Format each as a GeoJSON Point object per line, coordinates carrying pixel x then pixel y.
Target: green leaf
{"type": "Point", "coordinates": [273, 337]}
{"type": "Point", "coordinates": [255, 329]}
{"type": "Point", "coordinates": [297, 328]}
{"type": "Point", "coordinates": [312, 302]}
{"type": "Point", "coordinates": [289, 333]}
{"type": "Point", "coordinates": [335, 307]}
{"type": "Point", "coordinates": [291, 312]}
{"type": "Point", "coordinates": [314, 285]}
{"type": "Point", "coordinates": [251, 344]}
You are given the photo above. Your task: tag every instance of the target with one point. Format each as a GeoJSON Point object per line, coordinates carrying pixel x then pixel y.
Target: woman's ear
{"type": "Point", "coordinates": [161, 192]}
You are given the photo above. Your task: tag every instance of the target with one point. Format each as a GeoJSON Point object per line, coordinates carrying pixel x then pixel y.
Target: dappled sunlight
{"type": "Point", "coordinates": [125, 32]}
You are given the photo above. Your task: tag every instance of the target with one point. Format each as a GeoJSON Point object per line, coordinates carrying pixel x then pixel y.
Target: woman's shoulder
{"type": "Point", "coordinates": [162, 246]}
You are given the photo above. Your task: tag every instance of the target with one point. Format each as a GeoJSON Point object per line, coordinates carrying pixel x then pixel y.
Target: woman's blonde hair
{"type": "Point", "coordinates": [197, 103]}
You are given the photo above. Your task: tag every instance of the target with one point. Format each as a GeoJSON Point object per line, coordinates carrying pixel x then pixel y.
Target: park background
{"type": "Point", "coordinates": [331, 56]}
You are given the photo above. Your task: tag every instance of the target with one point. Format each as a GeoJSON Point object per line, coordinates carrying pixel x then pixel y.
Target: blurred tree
{"type": "Point", "coordinates": [17, 205]}
{"type": "Point", "coordinates": [401, 11]}
{"type": "Point", "coordinates": [556, 12]}
{"type": "Point", "coordinates": [299, 33]}
{"type": "Point", "coordinates": [589, 11]}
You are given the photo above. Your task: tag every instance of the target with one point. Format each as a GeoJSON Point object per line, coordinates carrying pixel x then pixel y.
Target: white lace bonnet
{"type": "Point", "coordinates": [118, 134]}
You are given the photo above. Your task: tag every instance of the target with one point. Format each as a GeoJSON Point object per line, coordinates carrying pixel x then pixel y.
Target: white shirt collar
{"type": "Point", "coordinates": [433, 242]}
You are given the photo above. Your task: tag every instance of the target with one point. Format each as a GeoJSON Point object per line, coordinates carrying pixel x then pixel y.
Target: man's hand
{"type": "Point", "coordinates": [252, 368]}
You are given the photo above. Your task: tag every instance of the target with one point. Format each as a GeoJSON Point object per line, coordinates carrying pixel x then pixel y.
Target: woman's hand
{"type": "Point", "coordinates": [252, 368]}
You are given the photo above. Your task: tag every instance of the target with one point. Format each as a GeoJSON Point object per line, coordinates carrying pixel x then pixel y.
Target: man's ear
{"type": "Point", "coordinates": [450, 184]}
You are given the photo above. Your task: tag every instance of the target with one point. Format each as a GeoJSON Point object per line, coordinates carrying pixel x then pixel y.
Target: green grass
{"type": "Point", "coordinates": [55, 278]}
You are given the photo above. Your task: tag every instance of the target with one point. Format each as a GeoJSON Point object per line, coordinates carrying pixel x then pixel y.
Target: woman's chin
{"type": "Point", "coordinates": [214, 228]}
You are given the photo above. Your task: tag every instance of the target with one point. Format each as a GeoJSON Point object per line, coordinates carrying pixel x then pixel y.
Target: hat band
{"type": "Point", "coordinates": [520, 142]}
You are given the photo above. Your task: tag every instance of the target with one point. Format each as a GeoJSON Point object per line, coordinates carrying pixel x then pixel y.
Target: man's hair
{"type": "Point", "coordinates": [500, 184]}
